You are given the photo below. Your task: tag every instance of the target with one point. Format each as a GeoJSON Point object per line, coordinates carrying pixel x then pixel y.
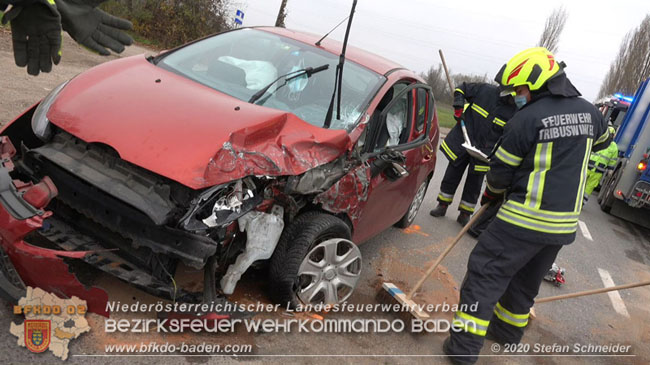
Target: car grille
{"type": "Point", "coordinates": [120, 198]}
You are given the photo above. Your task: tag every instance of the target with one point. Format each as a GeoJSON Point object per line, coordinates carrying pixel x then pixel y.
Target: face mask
{"type": "Point", "coordinates": [520, 101]}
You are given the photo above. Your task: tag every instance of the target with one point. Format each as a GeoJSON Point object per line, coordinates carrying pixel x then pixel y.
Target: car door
{"type": "Point", "coordinates": [402, 126]}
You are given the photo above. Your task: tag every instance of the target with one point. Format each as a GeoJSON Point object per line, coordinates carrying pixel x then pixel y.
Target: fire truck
{"type": "Point", "coordinates": [625, 190]}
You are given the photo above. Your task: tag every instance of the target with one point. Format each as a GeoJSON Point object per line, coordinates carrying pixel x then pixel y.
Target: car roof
{"type": "Point", "coordinates": [367, 59]}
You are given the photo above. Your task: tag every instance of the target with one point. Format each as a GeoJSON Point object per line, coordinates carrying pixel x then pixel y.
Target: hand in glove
{"type": "Point", "coordinates": [36, 35]}
{"type": "Point", "coordinates": [458, 114]}
{"type": "Point", "coordinates": [490, 197]}
{"type": "Point", "coordinates": [92, 27]}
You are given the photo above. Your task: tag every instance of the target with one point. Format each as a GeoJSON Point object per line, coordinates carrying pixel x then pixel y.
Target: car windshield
{"type": "Point", "coordinates": [242, 62]}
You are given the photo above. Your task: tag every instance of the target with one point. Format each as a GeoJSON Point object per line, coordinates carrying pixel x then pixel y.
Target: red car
{"type": "Point", "coordinates": [218, 154]}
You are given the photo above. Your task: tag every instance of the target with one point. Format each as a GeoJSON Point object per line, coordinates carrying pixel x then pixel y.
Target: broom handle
{"type": "Point", "coordinates": [444, 65]}
{"type": "Point", "coordinates": [591, 292]}
{"type": "Point", "coordinates": [446, 251]}
{"type": "Point", "coordinates": [451, 88]}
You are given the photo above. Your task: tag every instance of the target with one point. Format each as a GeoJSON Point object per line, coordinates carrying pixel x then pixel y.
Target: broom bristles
{"type": "Point", "coordinates": [393, 295]}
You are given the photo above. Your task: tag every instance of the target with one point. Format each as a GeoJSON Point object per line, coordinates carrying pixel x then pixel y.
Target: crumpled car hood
{"type": "Point", "coordinates": [185, 131]}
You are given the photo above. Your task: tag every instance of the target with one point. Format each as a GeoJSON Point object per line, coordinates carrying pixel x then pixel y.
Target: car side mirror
{"type": "Point", "coordinates": [392, 163]}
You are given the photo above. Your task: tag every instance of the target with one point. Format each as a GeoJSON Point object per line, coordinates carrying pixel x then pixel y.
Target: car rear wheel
{"type": "Point", "coordinates": [315, 262]}
{"type": "Point", "coordinates": [414, 208]}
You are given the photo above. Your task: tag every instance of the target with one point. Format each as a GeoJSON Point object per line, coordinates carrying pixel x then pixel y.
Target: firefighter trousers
{"type": "Point", "coordinates": [451, 180]}
{"type": "Point", "coordinates": [502, 280]}
{"type": "Point", "coordinates": [593, 179]}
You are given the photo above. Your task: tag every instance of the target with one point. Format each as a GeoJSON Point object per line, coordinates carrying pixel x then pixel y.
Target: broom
{"type": "Point", "coordinates": [586, 293]}
{"type": "Point", "coordinates": [392, 294]}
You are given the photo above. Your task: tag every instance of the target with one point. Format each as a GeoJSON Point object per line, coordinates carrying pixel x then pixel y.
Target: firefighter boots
{"type": "Point", "coordinates": [439, 211]}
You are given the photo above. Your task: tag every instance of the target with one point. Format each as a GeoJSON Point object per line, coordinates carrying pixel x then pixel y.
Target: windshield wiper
{"type": "Point", "coordinates": [338, 77]}
{"type": "Point", "coordinates": [308, 71]}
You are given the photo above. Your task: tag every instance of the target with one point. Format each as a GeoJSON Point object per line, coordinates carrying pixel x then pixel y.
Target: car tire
{"type": "Point", "coordinates": [606, 196]}
{"type": "Point", "coordinates": [607, 199]}
{"type": "Point", "coordinates": [306, 232]}
{"type": "Point", "coordinates": [414, 207]}
{"type": "Point", "coordinates": [603, 186]}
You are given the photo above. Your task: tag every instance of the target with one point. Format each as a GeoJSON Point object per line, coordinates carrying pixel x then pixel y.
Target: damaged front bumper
{"type": "Point", "coordinates": [23, 264]}
{"type": "Point", "coordinates": [45, 250]}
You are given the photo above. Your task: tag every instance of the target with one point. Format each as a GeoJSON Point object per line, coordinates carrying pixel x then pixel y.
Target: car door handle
{"type": "Point", "coordinates": [401, 171]}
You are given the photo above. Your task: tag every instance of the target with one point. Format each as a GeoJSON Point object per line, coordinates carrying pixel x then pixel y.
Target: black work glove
{"type": "Point", "coordinates": [92, 27]}
{"type": "Point", "coordinates": [36, 35]}
{"type": "Point", "coordinates": [491, 197]}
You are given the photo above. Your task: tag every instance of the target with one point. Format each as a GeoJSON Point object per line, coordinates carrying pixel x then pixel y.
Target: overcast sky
{"type": "Point", "coordinates": [476, 36]}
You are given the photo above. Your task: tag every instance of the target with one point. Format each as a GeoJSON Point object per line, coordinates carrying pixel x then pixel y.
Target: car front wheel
{"type": "Point", "coordinates": [315, 262]}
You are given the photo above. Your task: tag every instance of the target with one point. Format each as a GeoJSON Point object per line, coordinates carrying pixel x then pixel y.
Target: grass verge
{"type": "Point", "coordinates": [445, 116]}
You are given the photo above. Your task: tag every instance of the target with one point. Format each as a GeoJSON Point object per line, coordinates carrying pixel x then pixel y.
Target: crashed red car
{"type": "Point", "coordinates": [218, 154]}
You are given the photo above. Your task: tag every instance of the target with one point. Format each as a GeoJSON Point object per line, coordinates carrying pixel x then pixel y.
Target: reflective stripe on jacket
{"type": "Point", "coordinates": [602, 160]}
{"type": "Point", "coordinates": [543, 163]}
{"type": "Point", "coordinates": [485, 116]}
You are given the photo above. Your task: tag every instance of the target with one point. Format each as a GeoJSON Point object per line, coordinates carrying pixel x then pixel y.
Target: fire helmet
{"type": "Point", "coordinates": [532, 67]}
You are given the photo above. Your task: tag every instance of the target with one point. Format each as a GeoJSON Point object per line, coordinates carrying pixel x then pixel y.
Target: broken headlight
{"type": "Point", "coordinates": [40, 124]}
{"type": "Point", "coordinates": [230, 200]}
{"type": "Point", "coordinates": [222, 205]}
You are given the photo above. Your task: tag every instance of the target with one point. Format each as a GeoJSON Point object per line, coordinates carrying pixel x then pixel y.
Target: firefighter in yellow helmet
{"type": "Point", "coordinates": [599, 162]}
{"type": "Point", "coordinates": [539, 173]}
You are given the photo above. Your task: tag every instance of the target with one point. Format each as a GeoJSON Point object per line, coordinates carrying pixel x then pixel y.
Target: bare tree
{"type": "Point", "coordinates": [550, 37]}
{"type": "Point", "coordinates": [435, 77]}
{"type": "Point", "coordinates": [460, 78]}
{"type": "Point", "coordinates": [282, 14]}
{"type": "Point", "coordinates": [632, 63]}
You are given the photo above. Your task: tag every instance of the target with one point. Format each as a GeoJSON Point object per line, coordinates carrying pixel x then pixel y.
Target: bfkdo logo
{"type": "Point", "coordinates": [37, 334]}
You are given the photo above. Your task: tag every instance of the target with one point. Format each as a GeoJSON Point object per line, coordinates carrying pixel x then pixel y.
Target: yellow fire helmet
{"type": "Point", "coordinates": [532, 67]}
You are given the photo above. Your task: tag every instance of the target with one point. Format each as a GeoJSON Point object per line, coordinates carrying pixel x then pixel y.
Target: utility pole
{"type": "Point", "coordinates": [279, 22]}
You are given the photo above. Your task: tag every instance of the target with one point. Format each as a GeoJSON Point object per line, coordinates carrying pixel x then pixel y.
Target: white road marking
{"type": "Point", "coordinates": [614, 296]}
{"type": "Point", "coordinates": [585, 230]}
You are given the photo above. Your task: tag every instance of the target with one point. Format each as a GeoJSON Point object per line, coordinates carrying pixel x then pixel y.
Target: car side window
{"type": "Point", "coordinates": [396, 128]}
{"type": "Point", "coordinates": [421, 114]}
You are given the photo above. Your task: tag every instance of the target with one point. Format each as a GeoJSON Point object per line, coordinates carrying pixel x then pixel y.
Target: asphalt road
{"type": "Point", "coordinates": [619, 248]}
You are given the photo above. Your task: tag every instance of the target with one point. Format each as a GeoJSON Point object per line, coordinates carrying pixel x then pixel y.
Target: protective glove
{"type": "Point", "coordinates": [92, 27]}
{"type": "Point", "coordinates": [491, 197]}
{"type": "Point", "coordinates": [458, 114]}
{"type": "Point", "coordinates": [36, 35]}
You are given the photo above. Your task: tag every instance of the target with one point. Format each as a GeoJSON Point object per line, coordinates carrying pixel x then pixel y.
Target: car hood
{"type": "Point", "coordinates": [186, 131]}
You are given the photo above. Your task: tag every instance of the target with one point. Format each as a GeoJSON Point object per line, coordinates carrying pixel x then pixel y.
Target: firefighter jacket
{"type": "Point", "coordinates": [485, 117]}
{"type": "Point", "coordinates": [605, 159]}
{"type": "Point", "coordinates": [542, 164]}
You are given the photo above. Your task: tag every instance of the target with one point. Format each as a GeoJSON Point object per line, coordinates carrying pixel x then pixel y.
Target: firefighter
{"type": "Point", "coordinates": [539, 170]}
{"type": "Point", "coordinates": [36, 30]}
{"type": "Point", "coordinates": [599, 162]}
{"type": "Point", "coordinates": [485, 116]}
